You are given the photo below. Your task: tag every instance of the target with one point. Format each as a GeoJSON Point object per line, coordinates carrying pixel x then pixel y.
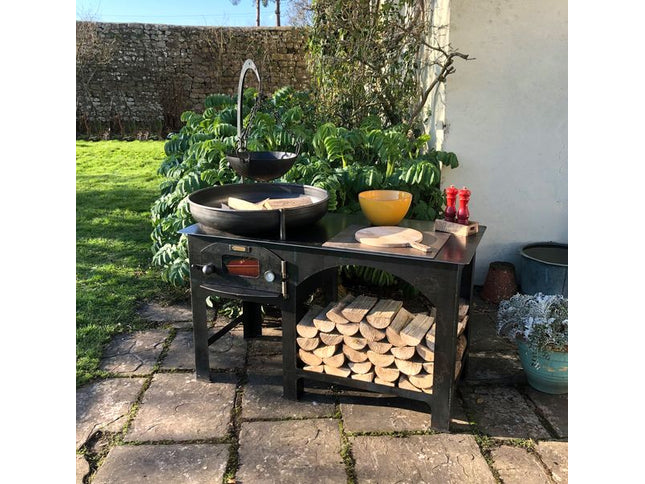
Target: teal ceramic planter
{"type": "Point", "coordinates": [550, 374]}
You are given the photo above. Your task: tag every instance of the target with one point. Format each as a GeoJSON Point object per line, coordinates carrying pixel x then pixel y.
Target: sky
{"type": "Point", "coordinates": [173, 12]}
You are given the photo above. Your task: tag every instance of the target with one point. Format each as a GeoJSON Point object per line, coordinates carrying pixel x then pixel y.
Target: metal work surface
{"type": "Point", "coordinates": [287, 272]}
{"type": "Point", "coordinates": [455, 251]}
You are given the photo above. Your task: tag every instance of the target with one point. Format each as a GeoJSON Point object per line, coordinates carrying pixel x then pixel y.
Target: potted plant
{"type": "Point", "coordinates": [539, 325]}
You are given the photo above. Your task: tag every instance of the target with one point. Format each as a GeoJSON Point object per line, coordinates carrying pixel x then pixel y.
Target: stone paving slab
{"type": "Point", "coordinates": [82, 468]}
{"type": "Point", "coordinates": [502, 412]}
{"type": "Point", "coordinates": [262, 398]}
{"type": "Point", "coordinates": [517, 466]}
{"type": "Point", "coordinates": [482, 306]}
{"type": "Point", "coordinates": [265, 364]}
{"type": "Point", "coordinates": [483, 334]}
{"type": "Point", "coordinates": [494, 367]}
{"type": "Point", "coordinates": [291, 451]}
{"type": "Point", "coordinates": [555, 456]}
{"type": "Point", "coordinates": [135, 353]}
{"type": "Point", "coordinates": [178, 407]}
{"type": "Point", "coordinates": [170, 464]}
{"type": "Point", "coordinates": [265, 345]}
{"type": "Point", "coordinates": [104, 405]}
{"type": "Point", "coordinates": [440, 459]}
{"type": "Point", "coordinates": [382, 413]}
{"type": "Point", "coordinates": [227, 353]}
{"type": "Point", "coordinates": [554, 408]}
{"type": "Point", "coordinates": [166, 314]}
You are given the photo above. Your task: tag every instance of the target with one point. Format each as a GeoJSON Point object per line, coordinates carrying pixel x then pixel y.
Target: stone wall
{"type": "Point", "coordinates": [135, 80]}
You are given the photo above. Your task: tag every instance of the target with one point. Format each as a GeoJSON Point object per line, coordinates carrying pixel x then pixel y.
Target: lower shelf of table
{"type": "Point", "coordinates": [428, 398]}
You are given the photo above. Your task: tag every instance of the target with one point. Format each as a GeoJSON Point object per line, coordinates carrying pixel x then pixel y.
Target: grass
{"type": "Point", "coordinates": [116, 184]}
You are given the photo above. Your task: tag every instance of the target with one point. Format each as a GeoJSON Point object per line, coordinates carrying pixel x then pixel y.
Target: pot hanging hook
{"type": "Point", "coordinates": [242, 134]}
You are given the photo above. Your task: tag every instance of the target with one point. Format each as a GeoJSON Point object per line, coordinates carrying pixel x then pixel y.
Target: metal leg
{"type": "Point", "coordinates": [330, 284]}
{"type": "Point", "coordinates": [251, 319]}
{"type": "Point", "coordinates": [293, 385]}
{"type": "Point", "coordinates": [445, 351]}
{"type": "Point", "coordinates": [200, 334]}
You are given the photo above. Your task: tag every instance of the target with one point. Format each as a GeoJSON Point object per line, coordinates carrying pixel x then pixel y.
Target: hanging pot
{"type": "Point", "coordinates": [257, 165]}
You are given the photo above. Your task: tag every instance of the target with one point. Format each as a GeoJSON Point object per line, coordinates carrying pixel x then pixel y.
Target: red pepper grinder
{"type": "Point", "coordinates": [463, 214]}
{"type": "Point", "coordinates": [451, 211]}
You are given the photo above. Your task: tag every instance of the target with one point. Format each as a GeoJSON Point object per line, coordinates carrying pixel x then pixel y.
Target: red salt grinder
{"type": "Point", "coordinates": [463, 214]}
{"type": "Point", "coordinates": [451, 211]}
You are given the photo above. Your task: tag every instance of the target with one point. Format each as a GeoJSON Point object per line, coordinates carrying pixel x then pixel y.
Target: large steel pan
{"type": "Point", "coordinates": [206, 207]}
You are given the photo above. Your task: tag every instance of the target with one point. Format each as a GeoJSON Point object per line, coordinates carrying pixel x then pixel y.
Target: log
{"type": "Point", "coordinates": [377, 347]}
{"type": "Point", "coordinates": [388, 373]}
{"type": "Point", "coordinates": [342, 371]}
{"type": "Point", "coordinates": [335, 314]}
{"type": "Point", "coordinates": [239, 204]}
{"type": "Point", "coordinates": [358, 308]}
{"type": "Point", "coordinates": [403, 352]}
{"type": "Point", "coordinates": [428, 367]}
{"type": "Point", "coordinates": [360, 368]}
{"type": "Point", "coordinates": [382, 314]}
{"type": "Point", "coordinates": [308, 344]}
{"type": "Point", "coordinates": [414, 332]}
{"type": "Point", "coordinates": [383, 382]}
{"type": "Point", "coordinates": [380, 360]}
{"type": "Point", "coordinates": [463, 308]}
{"type": "Point", "coordinates": [278, 203]}
{"type": "Point", "coordinates": [459, 230]}
{"type": "Point", "coordinates": [348, 329]}
{"type": "Point", "coordinates": [409, 367]}
{"type": "Point", "coordinates": [305, 327]}
{"type": "Point", "coordinates": [424, 352]}
{"type": "Point", "coordinates": [355, 342]}
{"type": "Point", "coordinates": [462, 325]}
{"type": "Point", "coordinates": [406, 384]}
{"type": "Point", "coordinates": [354, 355]}
{"type": "Point", "coordinates": [331, 338]}
{"type": "Point", "coordinates": [429, 338]}
{"type": "Point", "coordinates": [335, 361]}
{"type": "Point", "coordinates": [461, 347]}
{"type": "Point", "coordinates": [317, 368]}
{"type": "Point", "coordinates": [364, 376]}
{"type": "Point", "coordinates": [400, 321]}
{"type": "Point", "coordinates": [309, 358]}
{"type": "Point", "coordinates": [325, 351]}
{"type": "Point", "coordinates": [321, 322]}
{"type": "Point", "coordinates": [370, 333]}
{"type": "Point", "coordinates": [422, 380]}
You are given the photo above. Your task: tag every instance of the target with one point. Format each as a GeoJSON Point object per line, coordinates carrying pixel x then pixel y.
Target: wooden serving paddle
{"type": "Point", "coordinates": [392, 236]}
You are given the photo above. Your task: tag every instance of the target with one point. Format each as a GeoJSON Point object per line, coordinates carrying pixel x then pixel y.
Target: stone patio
{"type": "Point", "coordinates": [151, 421]}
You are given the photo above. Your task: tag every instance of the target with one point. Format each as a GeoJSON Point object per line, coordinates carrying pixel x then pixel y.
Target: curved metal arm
{"type": "Point", "coordinates": [248, 65]}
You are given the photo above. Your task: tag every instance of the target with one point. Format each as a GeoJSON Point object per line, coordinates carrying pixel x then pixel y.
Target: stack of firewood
{"type": "Point", "coordinates": [374, 340]}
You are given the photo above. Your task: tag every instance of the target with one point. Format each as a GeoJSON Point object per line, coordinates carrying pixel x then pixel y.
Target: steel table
{"type": "Point", "coordinates": [301, 264]}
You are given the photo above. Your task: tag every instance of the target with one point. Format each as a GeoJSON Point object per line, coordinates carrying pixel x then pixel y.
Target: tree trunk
{"type": "Point", "coordinates": [277, 12]}
{"type": "Point", "coordinates": [257, 14]}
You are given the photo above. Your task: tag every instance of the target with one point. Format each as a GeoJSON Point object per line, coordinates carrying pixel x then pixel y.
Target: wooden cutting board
{"type": "Point", "coordinates": [346, 240]}
{"type": "Point", "coordinates": [388, 236]}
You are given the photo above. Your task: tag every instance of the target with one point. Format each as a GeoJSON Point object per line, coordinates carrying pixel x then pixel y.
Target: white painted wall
{"type": "Point", "coordinates": [506, 116]}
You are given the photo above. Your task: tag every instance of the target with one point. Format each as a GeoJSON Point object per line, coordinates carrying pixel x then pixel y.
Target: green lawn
{"type": "Point", "coordinates": [116, 183]}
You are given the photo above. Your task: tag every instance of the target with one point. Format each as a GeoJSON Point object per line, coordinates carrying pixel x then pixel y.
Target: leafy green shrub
{"type": "Point", "coordinates": [342, 161]}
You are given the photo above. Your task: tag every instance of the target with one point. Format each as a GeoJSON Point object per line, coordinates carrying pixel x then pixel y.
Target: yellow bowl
{"type": "Point", "coordinates": [385, 207]}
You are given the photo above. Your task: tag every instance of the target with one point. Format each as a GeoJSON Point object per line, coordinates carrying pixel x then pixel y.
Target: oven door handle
{"type": "Point", "coordinates": [206, 269]}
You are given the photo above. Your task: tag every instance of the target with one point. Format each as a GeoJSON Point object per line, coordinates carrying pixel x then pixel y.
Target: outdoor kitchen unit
{"type": "Point", "coordinates": [280, 256]}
